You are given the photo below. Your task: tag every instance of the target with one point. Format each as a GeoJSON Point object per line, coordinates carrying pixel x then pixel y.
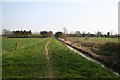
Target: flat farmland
{"type": "Point", "coordinates": [96, 39]}
{"type": "Point", "coordinates": [10, 44]}
{"type": "Point", "coordinates": [46, 58]}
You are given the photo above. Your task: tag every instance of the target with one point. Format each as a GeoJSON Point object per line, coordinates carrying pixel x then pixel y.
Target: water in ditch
{"type": "Point", "coordinates": [89, 58]}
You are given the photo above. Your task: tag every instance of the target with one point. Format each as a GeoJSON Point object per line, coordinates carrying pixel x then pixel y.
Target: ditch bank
{"type": "Point", "coordinates": [88, 55]}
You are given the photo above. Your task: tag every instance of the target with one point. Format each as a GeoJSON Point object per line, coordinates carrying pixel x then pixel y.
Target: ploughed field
{"type": "Point", "coordinates": [26, 58]}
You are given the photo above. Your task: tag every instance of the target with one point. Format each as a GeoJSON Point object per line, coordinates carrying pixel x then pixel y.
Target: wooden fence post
{"type": "Point", "coordinates": [16, 45]}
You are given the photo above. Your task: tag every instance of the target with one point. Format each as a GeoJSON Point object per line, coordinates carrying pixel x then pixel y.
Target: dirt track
{"type": "Point", "coordinates": [50, 73]}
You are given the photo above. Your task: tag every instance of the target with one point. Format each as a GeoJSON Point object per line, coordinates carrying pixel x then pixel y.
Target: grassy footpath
{"type": "Point", "coordinates": [68, 64]}
{"type": "Point", "coordinates": [28, 62]}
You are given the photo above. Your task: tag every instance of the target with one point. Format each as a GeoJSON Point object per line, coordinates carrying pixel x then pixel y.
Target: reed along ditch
{"type": "Point", "coordinates": [88, 55]}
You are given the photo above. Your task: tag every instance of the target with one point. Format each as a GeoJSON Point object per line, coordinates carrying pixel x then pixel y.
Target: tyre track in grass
{"type": "Point", "coordinates": [33, 44]}
{"type": "Point", "coordinates": [50, 73]}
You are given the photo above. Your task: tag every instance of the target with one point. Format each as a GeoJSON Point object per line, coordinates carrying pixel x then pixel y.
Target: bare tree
{"type": "Point", "coordinates": [89, 34]}
{"type": "Point", "coordinates": [65, 33]}
{"type": "Point", "coordinates": [77, 33]}
{"type": "Point", "coordinates": [65, 30]}
{"type": "Point", "coordinates": [111, 33]}
{"type": "Point", "coordinates": [6, 32]}
{"type": "Point", "coordinates": [99, 34]}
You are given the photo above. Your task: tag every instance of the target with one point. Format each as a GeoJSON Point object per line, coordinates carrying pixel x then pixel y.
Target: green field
{"type": "Point", "coordinates": [29, 60]}
{"type": "Point", "coordinates": [9, 44]}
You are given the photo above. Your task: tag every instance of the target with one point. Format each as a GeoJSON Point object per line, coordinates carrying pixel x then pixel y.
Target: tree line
{"type": "Point", "coordinates": [78, 34]}
{"type": "Point", "coordinates": [26, 34]}
{"type": "Point", "coordinates": [45, 34]}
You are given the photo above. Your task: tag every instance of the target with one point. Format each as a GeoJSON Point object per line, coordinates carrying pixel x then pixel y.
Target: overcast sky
{"type": "Point", "coordinates": [82, 15]}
